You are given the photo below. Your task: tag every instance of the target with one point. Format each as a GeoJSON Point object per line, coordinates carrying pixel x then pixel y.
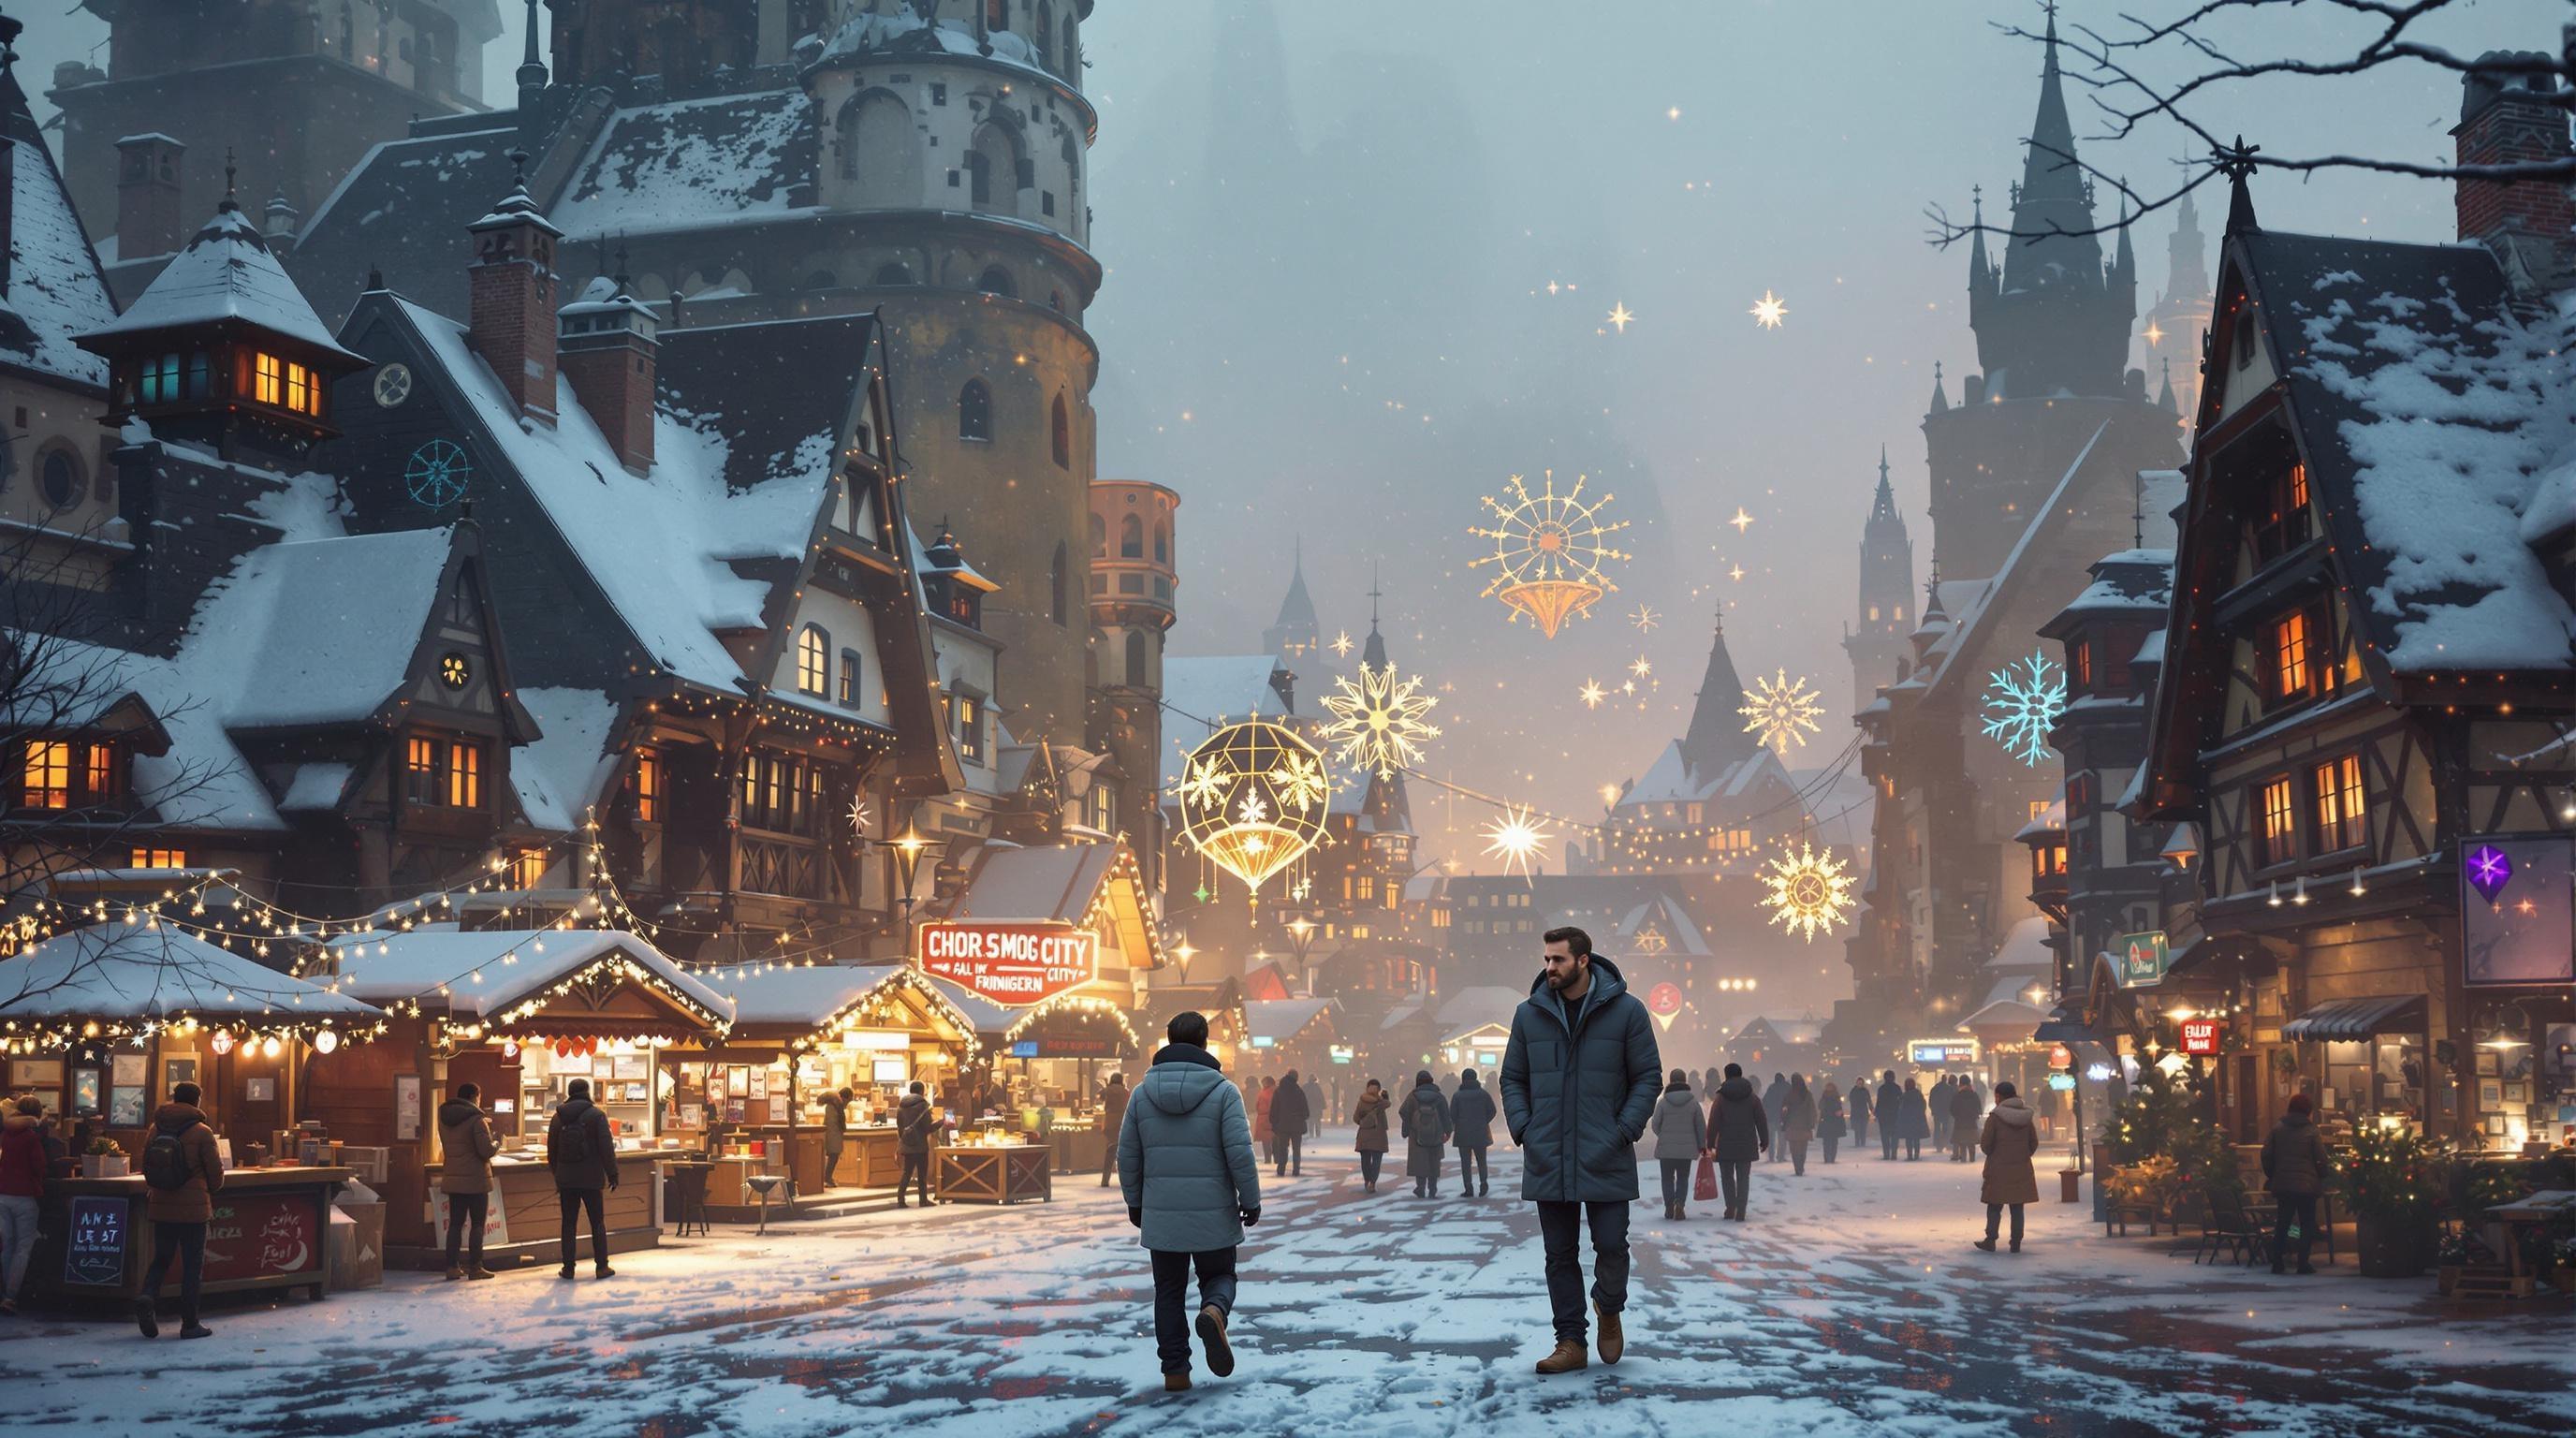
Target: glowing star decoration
{"type": "Point", "coordinates": [1736, 574]}
{"type": "Point", "coordinates": [1516, 839]}
{"type": "Point", "coordinates": [1646, 618]}
{"type": "Point", "coordinates": [1378, 722]}
{"type": "Point", "coordinates": [1342, 645]}
{"type": "Point", "coordinates": [1620, 318]}
{"type": "Point", "coordinates": [2155, 334]}
{"type": "Point", "coordinates": [1592, 694]}
{"type": "Point", "coordinates": [1742, 521]}
{"type": "Point", "coordinates": [1810, 893]}
{"type": "Point", "coordinates": [1253, 799]}
{"type": "Point", "coordinates": [2490, 869]}
{"type": "Point", "coordinates": [1769, 310]}
{"type": "Point", "coordinates": [1778, 707]}
{"type": "Point", "coordinates": [1642, 667]}
{"type": "Point", "coordinates": [1548, 552]}
{"type": "Point", "coordinates": [2023, 700]}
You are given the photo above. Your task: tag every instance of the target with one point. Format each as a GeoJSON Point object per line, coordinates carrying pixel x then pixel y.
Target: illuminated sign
{"type": "Point", "coordinates": [1264, 1041]}
{"type": "Point", "coordinates": [2200, 1036]}
{"type": "Point", "coordinates": [1932, 1052]}
{"type": "Point", "coordinates": [2061, 1082]}
{"type": "Point", "coordinates": [1015, 965]}
{"type": "Point", "coordinates": [2061, 1057]}
{"type": "Point", "coordinates": [1342, 1053]}
{"type": "Point", "coordinates": [2142, 959]}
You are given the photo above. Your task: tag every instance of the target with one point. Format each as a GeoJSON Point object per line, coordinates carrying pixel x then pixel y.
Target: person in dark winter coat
{"type": "Point", "coordinates": [180, 1213]}
{"type": "Point", "coordinates": [22, 1193]}
{"type": "Point", "coordinates": [1915, 1118]}
{"type": "Point", "coordinates": [1740, 1131]}
{"type": "Point", "coordinates": [1829, 1118]}
{"type": "Point", "coordinates": [1966, 1109]}
{"type": "Point", "coordinates": [2010, 1138]}
{"type": "Point", "coordinates": [2295, 1168]}
{"type": "Point", "coordinates": [1890, 1113]}
{"type": "Point", "coordinates": [1193, 1185]}
{"type": "Point", "coordinates": [1291, 1113]}
{"type": "Point", "coordinates": [914, 1123]}
{"type": "Point", "coordinates": [1580, 1074]}
{"type": "Point", "coordinates": [466, 1147]}
{"type": "Point", "coordinates": [1369, 1117]}
{"type": "Point", "coordinates": [1937, 1108]}
{"type": "Point", "coordinates": [1711, 1079]}
{"type": "Point", "coordinates": [836, 1130]}
{"type": "Point", "coordinates": [1859, 1101]}
{"type": "Point", "coordinates": [1471, 1118]}
{"type": "Point", "coordinates": [1775, 1103]}
{"type": "Point", "coordinates": [581, 1149]}
{"type": "Point", "coordinates": [1113, 1112]}
{"type": "Point", "coordinates": [1798, 1122]}
{"type": "Point", "coordinates": [1425, 1118]}
{"type": "Point", "coordinates": [1681, 1136]}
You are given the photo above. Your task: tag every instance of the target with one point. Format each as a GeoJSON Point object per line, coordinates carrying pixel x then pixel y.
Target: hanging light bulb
{"type": "Point", "coordinates": [326, 1041]}
{"type": "Point", "coordinates": [2299, 895]}
{"type": "Point", "coordinates": [269, 1047]}
{"type": "Point", "coordinates": [2275, 899]}
{"type": "Point", "coordinates": [221, 1042]}
{"type": "Point", "coordinates": [2357, 889]}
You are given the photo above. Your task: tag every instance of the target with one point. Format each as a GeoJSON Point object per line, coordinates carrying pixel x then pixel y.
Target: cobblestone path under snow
{"type": "Point", "coordinates": [1851, 1304]}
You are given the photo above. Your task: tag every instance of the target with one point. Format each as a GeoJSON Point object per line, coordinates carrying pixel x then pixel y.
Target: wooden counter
{"type": "Point", "coordinates": [270, 1229]}
{"type": "Point", "coordinates": [1011, 1173]}
{"type": "Point", "coordinates": [526, 1223]}
{"type": "Point", "coordinates": [874, 1158]}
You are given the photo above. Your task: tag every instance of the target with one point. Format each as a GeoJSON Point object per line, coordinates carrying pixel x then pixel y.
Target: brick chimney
{"type": "Point", "coordinates": [2512, 118]}
{"type": "Point", "coordinates": [148, 221]}
{"type": "Point", "coordinates": [511, 323]}
{"type": "Point", "coordinates": [609, 340]}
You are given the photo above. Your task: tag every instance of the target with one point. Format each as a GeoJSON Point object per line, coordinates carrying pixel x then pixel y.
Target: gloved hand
{"type": "Point", "coordinates": [1251, 1216]}
{"type": "Point", "coordinates": [1135, 1215]}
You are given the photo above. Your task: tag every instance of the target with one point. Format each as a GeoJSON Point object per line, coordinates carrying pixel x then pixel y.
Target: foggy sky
{"type": "Point", "coordinates": [1326, 310]}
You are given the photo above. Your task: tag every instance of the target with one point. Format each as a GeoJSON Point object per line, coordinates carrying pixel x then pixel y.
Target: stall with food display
{"type": "Point", "coordinates": [101, 1022]}
{"type": "Point", "coordinates": [521, 1014]}
{"type": "Point", "coordinates": [753, 1100]}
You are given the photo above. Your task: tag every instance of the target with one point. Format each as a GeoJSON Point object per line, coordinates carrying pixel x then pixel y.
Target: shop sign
{"type": "Point", "coordinates": [2200, 1036]}
{"type": "Point", "coordinates": [1934, 1052]}
{"type": "Point", "coordinates": [1264, 1041]}
{"type": "Point", "coordinates": [2061, 1082]}
{"type": "Point", "coordinates": [260, 1235]}
{"type": "Point", "coordinates": [94, 1251]}
{"type": "Point", "coordinates": [1342, 1053]}
{"type": "Point", "coordinates": [1025, 1049]}
{"type": "Point", "coordinates": [1016, 965]}
{"type": "Point", "coordinates": [881, 1040]}
{"type": "Point", "coordinates": [2515, 923]}
{"type": "Point", "coordinates": [1077, 1046]}
{"type": "Point", "coordinates": [2142, 959]}
{"type": "Point", "coordinates": [1665, 998]}
{"type": "Point", "coordinates": [2061, 1057]}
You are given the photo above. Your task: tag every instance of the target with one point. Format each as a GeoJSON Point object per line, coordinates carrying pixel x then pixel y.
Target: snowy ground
{"type": "Point", "coordinates": [1851, 1304]}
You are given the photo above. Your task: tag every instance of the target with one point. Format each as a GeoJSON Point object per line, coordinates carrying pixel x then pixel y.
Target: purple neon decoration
{"type": "Point", "coordinates": [2489, 870]}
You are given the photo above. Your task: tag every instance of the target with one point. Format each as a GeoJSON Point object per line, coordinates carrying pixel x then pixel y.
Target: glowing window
{"type": "Point", "coordinates": [2290, 668]}
{"type": "Point", "coordinates": [2280, 832]}
{"type": "Point", "coordinates": [49, 775]}
{"type": "Point", "coordinates": [268, 379]}
{"type": "Point", "coordinates": [813, 661]}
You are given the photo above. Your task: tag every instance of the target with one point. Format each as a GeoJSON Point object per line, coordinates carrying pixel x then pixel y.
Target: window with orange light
{"type": "Point", "coordinates": [2343, 816]}
{"type": "Point", "coordinates": [644, 786]}
{"type": "Point", "coordinates": [528, 868]}
{"type": "Point", "coordinates": [267, 379]}
{"type": "Point", "coordinates": [2293, 669]}
{"type": "Point", "coordinates": [465, 775]}
{"type": "Point", "coordinates": [48, 779]}
{"type": "Point", "coordinates": [160, 859]}
{"type": "Point", "coordinates": [2280, 823]}
{"type": "Point", "coordinates": [2083, 665]}
{"type": "Point", "coordinates": [102, 772]}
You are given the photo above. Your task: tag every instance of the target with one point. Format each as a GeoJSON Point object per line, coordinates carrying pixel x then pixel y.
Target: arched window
{"type": "Point", "coordinates": [880, 152]}
{"type": "Point", "coordinates": [997, 281]}
{"type": "Point", "coordinates": [1162, 544]}
{"type": "Point", "coordinates": [822, 280]}
{"type": "Point", "coordinates": [1136, 674]}
{"type": "Point", "coordinates": [975, 411]}
{"type": "Point", "coordinates": [894, 274]}
{"type": "Point", "coordinates": [1131, 538]}
{"type": "Point", "coordinates": [1060, 428]}
{"type": "Point", "coordinates": [1046, 33]}
{"type": "Point", "coordinates": [995, 172]}
{"type": "Point", "coordinates": [814, 661]}
{"type": "Point", "coordinates": [1099, 537]}
{"type": "Point", "coordinates": [1059, 580]}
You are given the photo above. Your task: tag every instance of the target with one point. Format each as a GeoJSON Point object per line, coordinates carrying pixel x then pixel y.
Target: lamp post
{"type": "Point", "coordinates": [1301, 934]}
{"type": "Point", "coordinates": [908, 847]}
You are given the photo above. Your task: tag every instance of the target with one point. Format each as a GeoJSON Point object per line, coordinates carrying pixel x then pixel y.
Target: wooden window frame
{"type": "Point", "coordinates": [2273, 852]}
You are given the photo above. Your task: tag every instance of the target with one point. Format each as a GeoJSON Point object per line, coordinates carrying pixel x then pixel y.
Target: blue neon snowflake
{"type": "Point", "coordinates": [2023, 700]}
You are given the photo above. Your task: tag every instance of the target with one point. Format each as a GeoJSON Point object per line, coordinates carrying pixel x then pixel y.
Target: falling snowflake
{"type": "Point", "coordinates": [1778, 707]}
{"type": "Point", "coordinates": [1299, 781]}
{"type": "Point", "coordinates": [1206, 785]}
{"type": "Point", "coordinates": [2023, 700]}
{"type": "Point", "coordinates": [1809, 892]}
{"type": "Point", "coordinates": [1378, 722]}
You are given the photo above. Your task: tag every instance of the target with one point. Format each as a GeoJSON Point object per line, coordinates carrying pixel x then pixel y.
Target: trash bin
{"type": "Point", "coordinates": [358, 1245]}
{"type": "Point", "coordinates": [2070, 1186]}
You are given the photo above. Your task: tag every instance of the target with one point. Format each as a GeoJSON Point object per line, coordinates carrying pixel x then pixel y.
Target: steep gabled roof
{"type": "Point", "coordinates": [402, 209]}
{"type": "Point", "coordinates": [318, 632]}
{"type": "Point", "coordinates": [1717, 739]}
{"type": "Point", "coordinates": [55, 291]}
{"type": "Point", "coordinates": [225, 275]}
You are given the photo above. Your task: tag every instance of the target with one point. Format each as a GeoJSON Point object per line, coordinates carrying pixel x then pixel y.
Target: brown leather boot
{"type": "Point", "coordinates": [1176, 1383]}
{"type": "Point", "coordinates": [1613, 1341]}
{"type": "Point", "coordinates": [1568, 1358]}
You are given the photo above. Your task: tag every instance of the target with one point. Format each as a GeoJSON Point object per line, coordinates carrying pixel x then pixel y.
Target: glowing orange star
{"type": "Point", "coordinates": [2155, 333]}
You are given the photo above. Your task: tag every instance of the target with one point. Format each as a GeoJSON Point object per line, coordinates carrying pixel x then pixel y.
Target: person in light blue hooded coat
{"type": "Point", "coordinates": [1192, 1185]}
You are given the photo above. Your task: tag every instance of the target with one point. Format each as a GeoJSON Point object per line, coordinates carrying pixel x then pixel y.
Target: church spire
{"type": "Point", "coordinates": [2053, 205]}
{"type": "Point", "coordinates": [1296, 634]}
{"type": "Point", "coordinates": [1373, 653]}
{"type": "Point", "coordinates": [1882, 507]}
{"type": "Point", "coordinates": [1940, 398]}
{"type": "Point", "coordinates": [1716, 740]}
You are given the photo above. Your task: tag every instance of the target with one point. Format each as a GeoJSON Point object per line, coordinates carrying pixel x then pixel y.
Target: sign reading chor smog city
{"type": "Point", "coordinates": [1014, 964]}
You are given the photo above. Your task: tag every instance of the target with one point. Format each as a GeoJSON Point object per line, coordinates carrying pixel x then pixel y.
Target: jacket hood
{"type": "Point", "coordinates": [1183, 1054]}
{"type": "Point", "coordinates": [1736, 1090]}
{"type": "Point", "coordinates": [1176, 1086]}
{"type": "Point", "coordinates": [456, 1111]}
{"type": "Point", "coordinates": [177, 1118]}
{"type": "Point", "coordinates": [1469, 1080]}
{"type": "Point", "coordinates": [1602, 969]}
{"type": "Point", "coordinates": [575, 1105]}
{"type": "Point", "coordinates": [2012, 1111]}
{"type": "Point", "coordinates": [2296, 1120]}
{"type": "Point", "coordinates": [1679, 1098]}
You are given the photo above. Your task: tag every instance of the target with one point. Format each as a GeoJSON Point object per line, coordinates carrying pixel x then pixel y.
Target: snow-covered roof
{"type": "Point", "coordinates": [1671, 780]}
{"type": "Point", "coordinates": [1476, 1006]}
{"type": "Point", "coordinates": [128, 971]}
{"type": "Point", "coordinates": [2025, 946]}
{"type": "Point", "coordinates": [694, 164]}
{"type": "Point", "coordinates": [1797, 1033]}
{"type": "Point", "coordinates": [799, 995]}
{"type": "Point", "coordinates": [1280, 1020]}
{"type": "Point", "coordinates": [55, 291]}
{"type": "Point", "coordinates": [561, 775]}
{"type": "Point", "coordinates": [986, 1016]}
{"type": "Point", "coordinates": [315, 787]}
{"type": "Point", "coordinates": [2049, 822]}
{"type": "Point", "coordinates": [1049, 882]}
{"type": "Point", "coordinates": [225, 273]}
{"type": "Point", "coordinates": [901, 31]}
{"type": "Point", "coordinates": [2004, 1017]}
{"type": "Point", "coordinates": [1682, 937]}
{"type": "Point", "coordinates": [483, 972]}
{"type": "Point", "coordinates": [318, 631]}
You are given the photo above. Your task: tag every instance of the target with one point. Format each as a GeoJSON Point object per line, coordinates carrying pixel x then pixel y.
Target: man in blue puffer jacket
{"type": "Point", "coordinates": [1185, 1161]}
{"type": "Point", "coordinates": [1580, 1076]}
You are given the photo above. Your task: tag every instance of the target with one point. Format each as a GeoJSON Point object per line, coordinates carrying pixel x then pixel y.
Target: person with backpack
{"type": "Point", "coordinates": [1426, 1122]}
{"type": "Point", "coordinates": [1471, 1118]}
{"type": "Point", "coordinates": [1681, 1136]}
{"type": "Point", "coordinates": [1291, 1114]}
{"type": "Point", "coordinates": [467, 1145]}
{"type": "Point", "coordinates": [913, 1122]}
{"type": "Point", "coordinates": [1193, 1185]}
{"type": "Point", "coordinates": [22, 1194]}
{"type": "Point", "coordinates": [182, 1173]}
{"type": "Point", "coordinates": [1368, 1117]}
{"type": "Point", "coordinates": [581, 1149]}
{"type": "Point", "coordinates": [836, 1131]}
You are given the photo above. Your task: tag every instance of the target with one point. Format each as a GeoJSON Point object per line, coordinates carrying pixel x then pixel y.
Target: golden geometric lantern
{"type": "Point", "coordinates": [1548, 551]}
{"type": "Point", "coordinates": [1253, 799]}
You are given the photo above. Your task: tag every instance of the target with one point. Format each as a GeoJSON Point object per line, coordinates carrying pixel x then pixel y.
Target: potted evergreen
{"type": "Point", "coordinates": [2390, 1182]}
{"type": "Point", "coordinates": [104, 1159]}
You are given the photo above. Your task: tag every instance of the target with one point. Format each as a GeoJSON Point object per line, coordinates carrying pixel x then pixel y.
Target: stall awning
{"type": "Point", "coordinates": [129, 979]}
{"type": "Point", "coordinates": [1280, 1020]}
{"type": "Point", "coordinates": [2343, 1019]}
{"type": "Point", "coordinates": [2061, 1027]}
{"type": "Point", "coordinates": [556, 981]}
{"type": "Point", "coordinates": [2005, 1021]}
{"type": "Point", "coordinates": [2232, 948]}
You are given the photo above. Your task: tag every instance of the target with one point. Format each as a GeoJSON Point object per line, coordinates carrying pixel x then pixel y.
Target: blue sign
{"type": "Point", "coordinates": [1263, 1041]}
{"type": "Point", "coordinates": [94, 1249]}
{"type": "Point", "coordinates": [1025, 1049]}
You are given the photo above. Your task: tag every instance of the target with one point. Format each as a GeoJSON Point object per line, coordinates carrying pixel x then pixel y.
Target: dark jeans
{"type": "Point", "coordinates": [916, 1169]}
{"type": "Point", "coordinates": [1370, 1163]}
{"type": "Point", "coordinates": [1994, 1220]}
{"type": "Point", "coordinates": [2300, 1210]}
{"type": "Point", "coordinates": [1560, 1227]}
{"type": "Point", "coordinates": [1108, 1160]}
{"type": "Point", "coordinates": [1424, 1165]}
{"type": "Point", "coordinates": [1798, 1155]}
{"type": "Point", "coordinates": [1472, 1175]}
{"type": "Point", "coordinates": [1886, 1142]}
{"type": "Point", "coordinates": [185, 1242]}
{"type": "Point", "coordinates": [1288, 1152]}
{"type": "Point", "coordinates": [462, 1209]}
{"type": "Point", "coordinates": [1913, 1148]}
{"type": "Point", "coordinates": [1732, 1180]}
{"type": "Point", "coordinates": [573, 1202]}
{"type": "Point", "coordinates": [1829, 1141]}
{"type": "Point", "coordinates": [1860, 1130]}
{"type": "Point", "coordinates": [1171, 1299]}
{"type": "Point", "coordinates": [1677, 1176]}
{"type": "Point", "coordinates": [831, 1163]}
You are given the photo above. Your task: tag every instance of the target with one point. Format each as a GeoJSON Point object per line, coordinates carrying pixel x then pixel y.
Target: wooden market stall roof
{"type": "Point", "coordinates": [1282, 1020]}
{"type": "Point", "coordinates": [1093, 886]}
{"type": "Point", "coordinates": [804, 1006]}
{"type": "Point", "coordinates": [130, 979]}
{"type": "Point", "coordinates": [534, 981]}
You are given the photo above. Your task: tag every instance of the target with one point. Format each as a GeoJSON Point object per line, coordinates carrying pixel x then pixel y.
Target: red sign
{"type": "Point", "coordinates": [1664, 999]}
{"type": "Point", "coordinates": [259, 1235]}
{"type": "Point", "coordinates": [2200, 1036]}
{"type": "Point", "coordinates": [2061, 1057]}
{"type": "Point", "coordinates": [1016, 965]}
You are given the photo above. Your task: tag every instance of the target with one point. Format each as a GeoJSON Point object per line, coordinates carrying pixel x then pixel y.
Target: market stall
{"type": "Point", "coordinates": [521, 1014]}
{"type": "Point", "coordinates": [999, 1171]}
{"type": "Point", "coordinates": [269, 1231]}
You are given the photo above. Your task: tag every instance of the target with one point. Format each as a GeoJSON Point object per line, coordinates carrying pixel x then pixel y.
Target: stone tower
{"type": "Point", "coordinates": [1134, 569]}
{"type": "Point", "coordinates": [1876, 639]}
{"type": "Point", "coordinates": [1295, 637]}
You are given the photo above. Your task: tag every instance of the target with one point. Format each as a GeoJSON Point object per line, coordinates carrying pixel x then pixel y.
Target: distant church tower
{"type": "Point", "coordinates": [1295, 638]}
{"type": "Point", "coordinates": [2182, 314]}
{"type": "Point", "coordinates": [1876, 639]}
{"type": "Point", "coordinates": [2052, 326]}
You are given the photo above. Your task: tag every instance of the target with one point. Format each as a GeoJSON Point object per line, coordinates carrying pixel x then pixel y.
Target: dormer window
{"type": "Point", "coordinates": [285, 384]}
{"type": "Point", "coordinates": [443, 771]}
{"type": "Point", "coordinates": [2284, 522]}
{"type": "Point", "coordinates": [48, 779]}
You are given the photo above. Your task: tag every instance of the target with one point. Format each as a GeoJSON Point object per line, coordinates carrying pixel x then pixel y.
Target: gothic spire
{"type": "Point", "coordinates": [2165, 397]}
{"type": "Point", "coordinates": [1882, 507]}
{"type": "Point", "coordinates": [1940, 399]}
{"type": "Point", "coordinates": [1716, 739]}
{"type": "Point", "coordinates": [2054, 204]}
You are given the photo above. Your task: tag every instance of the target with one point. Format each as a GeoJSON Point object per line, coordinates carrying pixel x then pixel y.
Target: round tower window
{"type": "Point", "coordinates": [60, 479]}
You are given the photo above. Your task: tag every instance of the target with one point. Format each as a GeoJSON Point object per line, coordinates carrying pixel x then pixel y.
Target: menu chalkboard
{"type": "Point", "coordinates": [94, 1253]}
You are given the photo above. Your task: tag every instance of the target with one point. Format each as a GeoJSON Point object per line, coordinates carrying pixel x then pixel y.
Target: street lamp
{"type": "Point", "coordinates": [908, 849]}
{"type": "Point", "coordinates": [1301, 931]}
{"type": "Point", "coordinates": [1184, 951]}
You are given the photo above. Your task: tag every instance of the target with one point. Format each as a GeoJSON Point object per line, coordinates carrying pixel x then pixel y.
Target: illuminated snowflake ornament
{"type": "Point", "coordinates": [1778, 707]}
{"type": "Point", "coordinates": [1516, 839]}
{"type": "Point", "coordinates": [2023, 700]}
{"type": "Point", "coordinates": [1809, 893]}
{"type": "Point", "coordinates": [1378, 722]}
{"type": "Point", "coordinates": [1548, 551]}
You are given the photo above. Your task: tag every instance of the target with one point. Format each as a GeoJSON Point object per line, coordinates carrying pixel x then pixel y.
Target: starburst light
{"type": "Point", "coordinates": [1378, 722]}
{"type": "Point", "coordinates": [1809, 893]}
{"type": "Point", "coordinates": [1621, 317]}
{"type": "Point", "coordinates": [1592, 694]}
{"type": "Point", "coordinates": [1769, 310]}
{"type": "Point", "coordinates": [1646, 618]}
{"type": "Point", "coordinates": [1742, 521]}
{"type": "Point", "coordinates": [1641, 668]}
{"type": "Point", "coordinates": [1516, 839]}
{"type": "Point", "coordinates": [1778, 707]}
